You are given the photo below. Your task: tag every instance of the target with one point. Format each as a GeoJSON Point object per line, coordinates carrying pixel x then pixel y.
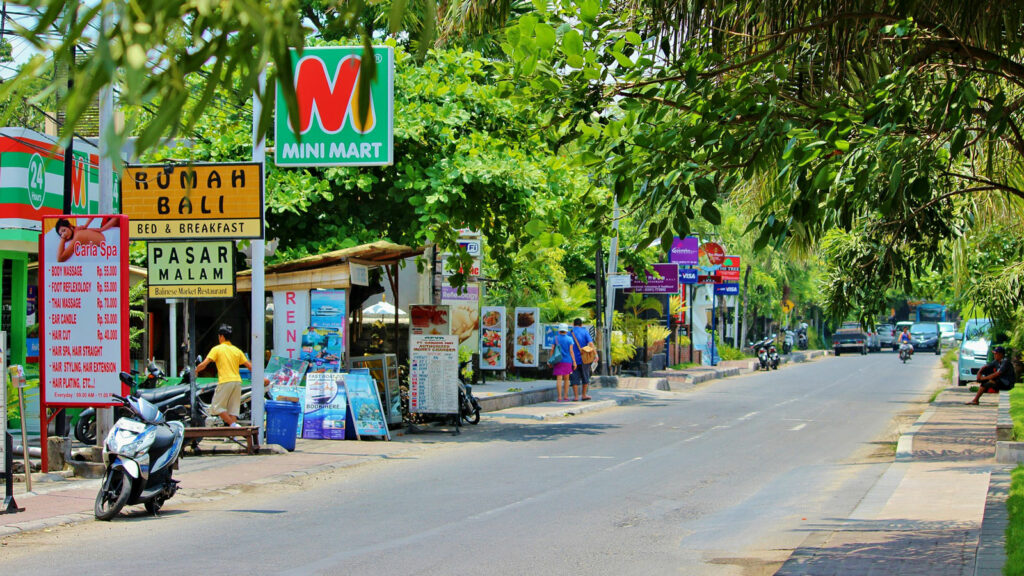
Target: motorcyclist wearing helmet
{"type": "Point", "coordinates": [995, 376]}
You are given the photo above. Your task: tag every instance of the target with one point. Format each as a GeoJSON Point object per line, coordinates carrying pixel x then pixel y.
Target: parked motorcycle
{"type": "Point", "coordinates": [905, 352]}
{"type": "Point", "coordinates": [469, 408]}
{"type": "Point", "coordinates": [762, 353]}
{"type": "Point", "coordinates": [140, 453]}
{"type": "Point", "coordinates": [787, 341]}
{"type": "Point", "coordinates": [773, 354]}
{"type": "Point", "coordinates": [801, 337]}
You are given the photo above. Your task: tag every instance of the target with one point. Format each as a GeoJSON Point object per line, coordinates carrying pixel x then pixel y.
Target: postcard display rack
{"type": "Point", "coordinates": [384, 370]}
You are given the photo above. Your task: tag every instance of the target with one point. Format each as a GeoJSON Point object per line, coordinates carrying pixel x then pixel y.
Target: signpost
{"type": "Point", "coordinates": [730, 270]}
{"type": "Point", "coordinates": [6, 448]}
{"type": "Point", "coordinates": [333, 129]}
{"type": "Point", "coordinates": [685, 251]}
{"type": "Point", "coordinates": [194, 201]}
{"type": "Point", "coordinates": [191, 269]}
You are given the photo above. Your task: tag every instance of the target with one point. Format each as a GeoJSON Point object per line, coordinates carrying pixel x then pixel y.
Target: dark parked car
{"type": "Point", "coordinates": [925, 337]}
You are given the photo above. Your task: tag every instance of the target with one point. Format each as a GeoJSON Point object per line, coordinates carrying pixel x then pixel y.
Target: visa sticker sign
{"type": "Point", "coordinates": [332, 131]}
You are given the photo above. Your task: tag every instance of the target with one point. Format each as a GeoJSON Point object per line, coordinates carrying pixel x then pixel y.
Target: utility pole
{"type": "Point", "coordinates": [613, 267]}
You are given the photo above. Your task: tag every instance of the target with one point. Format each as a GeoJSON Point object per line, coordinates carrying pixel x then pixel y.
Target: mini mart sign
{"type": "Point", "coordinates": [331, 129]}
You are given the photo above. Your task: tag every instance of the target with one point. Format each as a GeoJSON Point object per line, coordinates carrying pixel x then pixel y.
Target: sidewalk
{"type": "Point", "coordinates": [925, 515]}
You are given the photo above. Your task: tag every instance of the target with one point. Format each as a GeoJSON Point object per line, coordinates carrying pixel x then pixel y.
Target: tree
{"type": "Point", "coordinates": [880, 119]}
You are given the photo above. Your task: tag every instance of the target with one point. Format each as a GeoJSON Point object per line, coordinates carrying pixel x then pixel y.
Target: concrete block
{"type": "Point", "coordinates": [1010, 452]}
{"type": "Point", "coordinates": [634, 383]}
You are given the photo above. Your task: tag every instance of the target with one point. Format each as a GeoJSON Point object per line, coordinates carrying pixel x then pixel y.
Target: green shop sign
{"type": "Point", "coordinates": [332, 130]}
{"type": "Point", "coordinates": [191, 269]}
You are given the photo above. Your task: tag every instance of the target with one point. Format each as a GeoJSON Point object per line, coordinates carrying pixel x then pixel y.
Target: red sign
{"type": "Point", "coordinates": [714, 253]}
{"type": "Point", "coordinates": [730, 270]}
{"type": "Point", "coordinates": [708, 279]}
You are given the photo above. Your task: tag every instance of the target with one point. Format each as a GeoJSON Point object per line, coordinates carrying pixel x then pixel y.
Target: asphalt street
{"type": "Point", "coordinates": [727, 479]}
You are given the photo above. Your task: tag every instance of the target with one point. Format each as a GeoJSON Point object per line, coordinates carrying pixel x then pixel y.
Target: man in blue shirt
{"type": "Point", "coordinates": [581, 375]}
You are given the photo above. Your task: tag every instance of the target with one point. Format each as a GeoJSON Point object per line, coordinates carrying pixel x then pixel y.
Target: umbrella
{"type": "Point", "coordinates": [383, 311]}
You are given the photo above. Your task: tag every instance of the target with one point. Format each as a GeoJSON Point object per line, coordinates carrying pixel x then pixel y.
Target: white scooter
{"type": "Point", "coordinates": [906, 351]}
{"type": "Point", "coordinates": [140, 453]}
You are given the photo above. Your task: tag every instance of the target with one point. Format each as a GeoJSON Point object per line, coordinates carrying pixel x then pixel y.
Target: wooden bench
{"type": "Point", "coordinates": [250, 433]}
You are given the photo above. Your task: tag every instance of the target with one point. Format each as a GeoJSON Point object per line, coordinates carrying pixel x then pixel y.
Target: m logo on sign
{"type": "Point", "coordinates": [331, 98]}
{"type": "Point", "coordinates": [331, 129]}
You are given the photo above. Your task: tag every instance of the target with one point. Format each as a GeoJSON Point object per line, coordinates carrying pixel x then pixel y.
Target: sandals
{"type": "Point", "coordinates": [585, 398]}
{"type": "Point", "coordinates": [971, 403]}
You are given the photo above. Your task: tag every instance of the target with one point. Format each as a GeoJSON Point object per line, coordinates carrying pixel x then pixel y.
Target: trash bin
{"type": "Point", "coordinates": [282, 421]}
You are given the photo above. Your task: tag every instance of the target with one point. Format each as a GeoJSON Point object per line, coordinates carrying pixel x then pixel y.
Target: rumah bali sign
{"type": "Point", "coordinates": [332, 129]}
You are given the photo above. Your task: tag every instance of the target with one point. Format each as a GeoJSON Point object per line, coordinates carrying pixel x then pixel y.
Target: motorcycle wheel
{"type": "Point", "coordinates": [85, 430]}
{"type": "Point", "coordinates": [113, 495]}
{"type": "Point", "coordinates": [153, 506]}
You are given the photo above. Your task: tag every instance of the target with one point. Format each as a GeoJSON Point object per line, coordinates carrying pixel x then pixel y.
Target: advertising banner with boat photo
{"type": "Point", "coordinates": [492, 338]}
{"type": "Point", "coordinates": [526, 338]}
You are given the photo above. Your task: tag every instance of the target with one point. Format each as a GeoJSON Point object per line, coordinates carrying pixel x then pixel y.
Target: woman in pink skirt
{"type": "Point", "coordinates": [562, 370]}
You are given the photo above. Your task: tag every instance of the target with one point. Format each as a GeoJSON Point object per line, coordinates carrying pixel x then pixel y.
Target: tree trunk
{"type": "Point", "coordinates": [742, 336]}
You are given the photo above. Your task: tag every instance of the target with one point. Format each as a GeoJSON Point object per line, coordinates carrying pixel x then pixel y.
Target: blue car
{"type": "Point", "coordinates": [974, 345]}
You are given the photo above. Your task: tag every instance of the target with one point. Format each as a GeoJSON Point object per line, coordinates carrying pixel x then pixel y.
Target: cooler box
{"type": "Point", "coordinates": [282, 420]}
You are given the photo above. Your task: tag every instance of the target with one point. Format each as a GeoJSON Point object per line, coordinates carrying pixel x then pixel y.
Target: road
{"type": "Point", "coordinates": [727, 479]}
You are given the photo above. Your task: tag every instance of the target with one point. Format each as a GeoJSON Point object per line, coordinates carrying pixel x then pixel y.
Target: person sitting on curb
{"type": "Point", "coordinates": [995, 376]}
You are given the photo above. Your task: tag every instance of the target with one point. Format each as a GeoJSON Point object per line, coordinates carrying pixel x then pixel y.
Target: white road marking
{"type": "Point", "coordinates": [621, 464]}
{"type": "Point", "coordinates": [748, 416]}
{"type": "Point", "coordinates": [576, 457]}
{"type": "Point", "coordinates": [798, 427]}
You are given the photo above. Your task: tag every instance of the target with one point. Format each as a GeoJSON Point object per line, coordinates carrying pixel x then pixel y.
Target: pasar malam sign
{"type": "Point", "coordinates": [335, 126]}
{"type": "Point", "coordinates": [191, 269]}
{"type": "Point", "coordinates": [194, 201]}
{"type": "Point", "coordinates": [83, 308]}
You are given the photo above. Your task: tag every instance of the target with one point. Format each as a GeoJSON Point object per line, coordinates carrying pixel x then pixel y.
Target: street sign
{"type": "Point", "coordinates": [619, 280]}
{"type": "Point", "coordinates": [708, 279]}
{"type": "Point", "coordinates": [661, 279]}
{"type": "Point", "coordinates": [194, 201]}
{"type": "Point", "coordinates": [714, 253]}
{"type": "Point", "coordinates": [727, 289]}
{"type": "Point", "coordinates": [688, 275]}
{"type": "Point", "coordinates": [191, 269]}
{"type": "Point", "coordinates": [730, 270]}
{"type": "Point", "coordinates": [685, 251]}
{"type": "Point", "coordinates": [332, 129]}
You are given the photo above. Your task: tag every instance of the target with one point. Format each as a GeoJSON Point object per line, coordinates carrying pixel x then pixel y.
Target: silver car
{"type": "Point", "coordinates": [974, 344]}
{"type": "Point", "coordinates": [886, 335]}
{"type": "Point", "coordinates": [947, 333]}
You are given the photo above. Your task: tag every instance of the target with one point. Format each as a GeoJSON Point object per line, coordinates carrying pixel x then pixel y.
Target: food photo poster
{"type": "Point", "coordinates": [492, 338]}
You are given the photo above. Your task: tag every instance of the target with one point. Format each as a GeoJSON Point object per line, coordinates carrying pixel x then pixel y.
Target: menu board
{"type": "Point", "coordinates": [526, 338]}
{"type": "Point", "coordinates": [429, 319]}
{"type": "Point", "coordinates": [83, 304]}
{"type": "Point", "coordinates": [492, 338]}
{"type": "Point", "coordinates": [326, 406]}
{"type": "Point", "coordinates": [365, 404]}
{"type": "Point", "coordinates": [434, 374]}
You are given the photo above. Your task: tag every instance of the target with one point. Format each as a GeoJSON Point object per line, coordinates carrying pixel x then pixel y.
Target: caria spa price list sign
{"type": "Point", "coordinates": [84, 292]}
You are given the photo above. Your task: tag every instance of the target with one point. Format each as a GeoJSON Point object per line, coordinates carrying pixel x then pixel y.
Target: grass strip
{"type": "Point", "coordinates": [1017, 412]}
{"type": "Point", "coordinates": [1015, 525]}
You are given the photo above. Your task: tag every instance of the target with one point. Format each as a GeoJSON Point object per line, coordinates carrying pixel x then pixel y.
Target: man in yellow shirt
{"type": "Point", "coordinates": [227, 399]}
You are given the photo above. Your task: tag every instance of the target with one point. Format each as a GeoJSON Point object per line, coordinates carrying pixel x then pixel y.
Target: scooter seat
{"type": "Point", "coordinates": [158, 395]}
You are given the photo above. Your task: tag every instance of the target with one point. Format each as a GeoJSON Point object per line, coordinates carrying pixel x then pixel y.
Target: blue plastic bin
{"type": "Point", "coordinates": [282, 421]}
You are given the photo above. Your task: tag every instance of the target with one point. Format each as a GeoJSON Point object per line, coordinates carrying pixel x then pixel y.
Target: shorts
{"type": "Point", "coordinates": [227, 398]}
{"type": "Point", "coordinates": [562, 369]}
{"type": "Point", "coordinates": [581, 375]}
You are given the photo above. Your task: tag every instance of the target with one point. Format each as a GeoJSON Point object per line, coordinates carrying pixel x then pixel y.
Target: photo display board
{"type": "Point", "coordinates": [526, 338]}
{"type": "Point", "coordinates": [434, 374]}
{"type": "Point", "coordinates": [365, 404]}
{"type": "Point", "coordinates": [323, 349]}
{"type": "Point", "coordinates": [326, 405]}
{"type": "Point", "coordinates": [83, 304]}
{"type": "Point", "coordinates": [492, 338]}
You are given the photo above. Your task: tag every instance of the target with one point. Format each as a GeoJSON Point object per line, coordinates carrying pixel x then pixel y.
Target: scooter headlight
{"type": "Point", "coordinates": [132, 446]}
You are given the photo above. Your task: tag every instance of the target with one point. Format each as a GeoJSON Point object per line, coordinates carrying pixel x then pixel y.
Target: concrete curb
{"type": "Point", "coordinates": [905, 445]}
{"type": "Point", "coordinates": [576, 409]}
{"type": "Point", "coordinates": [991, 554]}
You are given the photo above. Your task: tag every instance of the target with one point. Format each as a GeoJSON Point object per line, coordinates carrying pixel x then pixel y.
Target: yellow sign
{"type": "Point", "coordinates": [787, 305]}
{"type": "Point", "coordinates": [193, 201]}
{"type": "Point", "coordinates": [191, 269]}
